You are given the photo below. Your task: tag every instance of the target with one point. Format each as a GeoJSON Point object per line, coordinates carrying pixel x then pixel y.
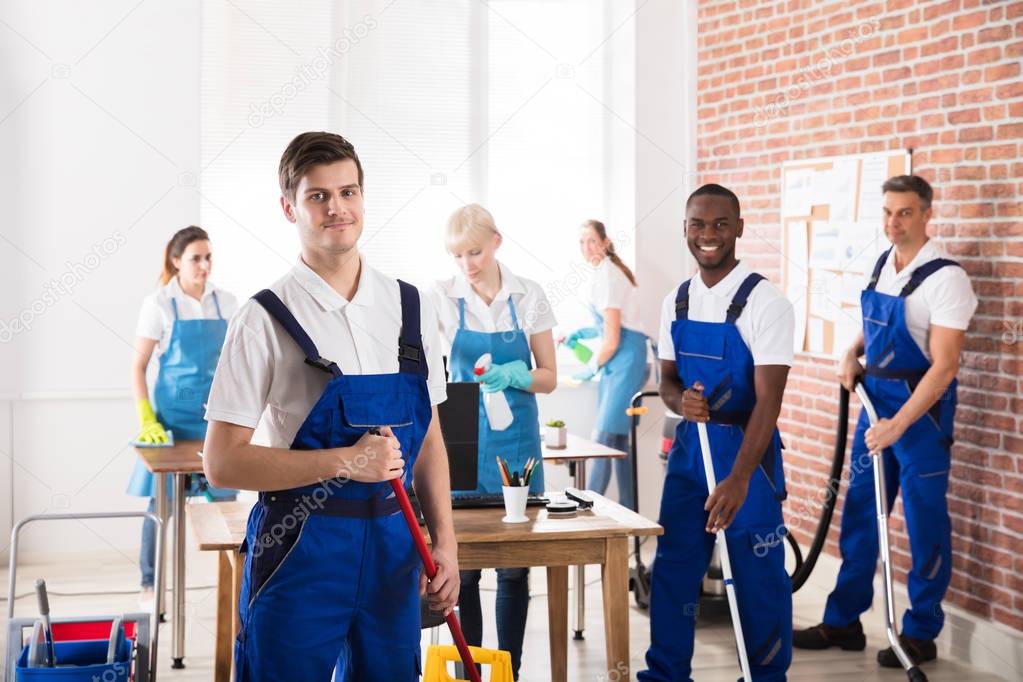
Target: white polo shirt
{"type": "Point", "coordinates": [262, 373]}
{"type": "Point", "coordinates": [532, 308]}
{"type": "Point", "coordinates": [766, 323]}
{"type": "Point", "coordinates": [945, 298]}
{"type": "Point", "coordinates": [156, 317]}
{"type": "Point", "coordinates": [612, 289]}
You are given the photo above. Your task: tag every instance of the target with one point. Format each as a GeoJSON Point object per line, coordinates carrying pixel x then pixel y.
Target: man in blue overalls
{"type": "Point", "coordinates": [725, 349]}
{"type": "Point", "coordinates": [332, 352]}
{"type": "Point", "coordinates": [916, 309]}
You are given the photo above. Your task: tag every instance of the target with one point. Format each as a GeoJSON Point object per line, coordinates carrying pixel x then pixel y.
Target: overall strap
{"type": "Point", "coordinates": [515, 318]}
{"type": "Point", "coordinates": [174, 308]}
{"type": "Point", "coordinates": [742, 296]}
{"type": "Point", "coordinates": [877, 269]}
{"type": "Point", "coordinates": [278, 311]}
{"type": "Point", "coordinates": [923, 272]}
{"type": "Point", "coordinates": [411, 357]}
{"type": "Point", "coordinates": [216, 303]}
{"type": "Point", "coordinates": [682, 301]}
{"type": "Point", "coordinates": [461, 313]}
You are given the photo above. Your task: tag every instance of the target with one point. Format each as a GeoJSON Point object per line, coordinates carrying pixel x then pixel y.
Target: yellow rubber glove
{"type": "Point", "coordinates": [150, 430]}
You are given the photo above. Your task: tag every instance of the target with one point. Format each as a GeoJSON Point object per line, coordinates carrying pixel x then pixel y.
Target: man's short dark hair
{"type": "Point", "coordinates": [910, 183]}
{"type": "Point", "coordinates": [313, 149]}
{"type": "Point", "coordinates": [715, 191]}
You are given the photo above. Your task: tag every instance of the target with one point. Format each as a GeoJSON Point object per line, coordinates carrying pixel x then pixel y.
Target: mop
{"type": "Point", "coordinates": [726, 563]}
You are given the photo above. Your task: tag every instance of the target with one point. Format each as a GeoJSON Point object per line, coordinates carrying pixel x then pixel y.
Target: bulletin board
{"type": "Point", "coordinates": [832, 233]}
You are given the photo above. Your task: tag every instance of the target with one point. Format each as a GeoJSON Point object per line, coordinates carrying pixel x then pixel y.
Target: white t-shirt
{"type": "Point", "coordinates": [157, 315]}
{"type": "Point", "coordinates": [261, 367]}
{"type": "Point", "coordinates": [766, 323]}
{"type": "Point", "coordinates": [612, 289]}
{"type": "Point", "coordinates": [945, 298]}
{"type": "Point", "coordinates": [532, 308]}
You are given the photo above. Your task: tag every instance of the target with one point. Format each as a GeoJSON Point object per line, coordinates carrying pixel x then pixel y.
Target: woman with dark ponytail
{"type": "Point", "coordinates": [185, 320]}
{"type": "Point", "coordinates": [621, 360]}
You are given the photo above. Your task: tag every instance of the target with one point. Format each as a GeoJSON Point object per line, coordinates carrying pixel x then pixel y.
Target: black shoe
{"type": "Point", "coordinates": [918, 650]}
{"type": "Point", "coordinates": [849, 638]}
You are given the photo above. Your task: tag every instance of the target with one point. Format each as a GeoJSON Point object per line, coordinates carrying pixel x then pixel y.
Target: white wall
{"type": "Point", "coordinates": [99, 132]}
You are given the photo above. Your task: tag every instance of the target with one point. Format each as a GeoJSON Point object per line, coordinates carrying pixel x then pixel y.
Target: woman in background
{"type": "Point", "coordinates": [185, 320]}
{"type": "Point", "coordinates": [486, 308]}
{"type": "Point", "coordinates": [621, 358]}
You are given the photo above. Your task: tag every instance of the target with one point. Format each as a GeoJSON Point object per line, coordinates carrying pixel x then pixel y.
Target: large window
{"type": "Point", "coordinates": [520, 105]}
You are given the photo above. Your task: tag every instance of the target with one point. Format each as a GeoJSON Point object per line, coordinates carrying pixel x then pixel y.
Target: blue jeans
{"type": "Point", "coordinates": [147, 554]}
{"type": "Point", "coordinates": [512, 607]}
{"type": "Point", "coordinates": [600, 471]}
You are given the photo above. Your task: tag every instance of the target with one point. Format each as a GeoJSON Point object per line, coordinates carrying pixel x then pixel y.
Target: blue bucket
{"type": "Point", "coordinates": [82, 661]}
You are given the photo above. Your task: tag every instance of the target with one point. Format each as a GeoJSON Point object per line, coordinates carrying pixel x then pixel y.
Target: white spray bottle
{"type": "Point", "coordinates": [499, 413]}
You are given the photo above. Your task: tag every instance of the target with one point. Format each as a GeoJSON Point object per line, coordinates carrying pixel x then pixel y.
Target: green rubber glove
{"type": "Point", "coordinates": [150, 430]}
{"type": "Point", "coordinates": [499, 377]}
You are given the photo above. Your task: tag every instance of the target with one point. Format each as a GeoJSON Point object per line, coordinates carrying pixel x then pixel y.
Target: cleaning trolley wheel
{"type": "Point", "coordinates": [916, 675]}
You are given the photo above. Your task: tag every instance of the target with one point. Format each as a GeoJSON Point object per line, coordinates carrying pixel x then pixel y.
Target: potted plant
{"type": "Point", "coordinates": [556, 435]}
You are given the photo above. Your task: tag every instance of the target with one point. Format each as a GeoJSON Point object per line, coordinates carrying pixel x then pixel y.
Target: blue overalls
{"type": "Point", "coordinates": [621, 378]}
{"type": "Point", "coordinates": [918, 463]}
{"type": "Point", "coordinates": [180, 393]}
{"type": "Point", "coordinates": [716, 355]}
{"type": "Point", "coordinates": [331, 571]}
{"type": "Point", "coordinates": [516, 444]}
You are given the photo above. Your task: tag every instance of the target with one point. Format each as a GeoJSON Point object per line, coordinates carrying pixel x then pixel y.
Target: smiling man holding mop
{"type": "Point", "coordinates": [331, 351]}
{"type": "Point", "coordinates": [725, 349]}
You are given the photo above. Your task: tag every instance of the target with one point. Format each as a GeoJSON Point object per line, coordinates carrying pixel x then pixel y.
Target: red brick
{"type": "Point", "coordinates": [972, 20]}
{"type": "Point", "coordinates": [984, 56]}
{"type": "Point", "coordinates": [994, 34]}
{"type": "Point", "coordinates": [982, 134]}
{"type": "Point", "coordinates": [1001, 72]}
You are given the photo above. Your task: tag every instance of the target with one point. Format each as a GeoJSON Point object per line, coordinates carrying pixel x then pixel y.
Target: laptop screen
{"type": "Point", "coordinates": [459, 424]}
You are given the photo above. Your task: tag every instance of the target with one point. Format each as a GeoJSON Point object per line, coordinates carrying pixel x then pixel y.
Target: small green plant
{"type": "Point", "coordinates": [556, 423]}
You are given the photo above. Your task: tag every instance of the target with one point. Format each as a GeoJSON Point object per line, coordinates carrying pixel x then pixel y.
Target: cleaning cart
{"type": "Point", "coordinates": [113, 648]}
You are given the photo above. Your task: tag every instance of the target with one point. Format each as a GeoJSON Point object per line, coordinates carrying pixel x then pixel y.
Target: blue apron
{"type": "Point", "coordinates": [716, 355]}
{"type": "Point", "coordinates": [918, 463]}
{"type": "Point", "coordinates": [182, 389]}
{"type": "Point", "coordinates": [521, 440]}
{"type": "Point", "coordinates": [331, 572]}
{"type": "Point", "coordinates": [620, 378]}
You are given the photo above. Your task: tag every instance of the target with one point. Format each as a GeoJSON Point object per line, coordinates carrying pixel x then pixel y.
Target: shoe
{"type": "Point", "coordinates": [918, 650]}
{"type": "Point", "coordinates": [849, 638]}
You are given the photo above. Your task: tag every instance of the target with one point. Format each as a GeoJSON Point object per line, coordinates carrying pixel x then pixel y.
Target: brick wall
{"type": "Point", "coordinates": [779, 81]}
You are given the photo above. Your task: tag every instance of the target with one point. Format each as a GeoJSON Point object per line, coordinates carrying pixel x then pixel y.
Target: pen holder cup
{"type": "Point", "coordinates": [515, 503]}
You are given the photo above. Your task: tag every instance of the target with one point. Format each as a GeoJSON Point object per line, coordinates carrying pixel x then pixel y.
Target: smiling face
{"type": "Point", "coordinates": [195, 264]}
{"type": "Point", "coordinates": [712, 225]}
{"type": "Point", "coordinates": [328, 208]}
{"type": "Point", "coordinates": [593, 248]}
{"type": "Point", "coordinates": [477, 260]}
{"type": "Point", "coordinates": [905, 219]}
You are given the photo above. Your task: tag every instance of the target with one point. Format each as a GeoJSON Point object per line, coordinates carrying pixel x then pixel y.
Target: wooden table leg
{"type": "Point", "coordinates": [615, 580]}
{"type": "Point", "coordinates": [224, 649]}
{"type": "Point", "coordinates": [557, 616]}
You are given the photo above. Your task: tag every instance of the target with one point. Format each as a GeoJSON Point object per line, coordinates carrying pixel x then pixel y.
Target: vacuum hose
{"type": "Point", "coordinates": [805, 567]}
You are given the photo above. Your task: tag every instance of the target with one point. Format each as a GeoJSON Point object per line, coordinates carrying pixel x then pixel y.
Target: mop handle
{"type": "Point", "coordinates": [431, 570]}
{"type": "Point", "coordinates": [44, 611]}
{"type": "Point", "coordinates": [726, 562]}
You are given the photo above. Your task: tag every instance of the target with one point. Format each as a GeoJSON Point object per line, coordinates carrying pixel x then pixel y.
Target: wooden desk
{"type": "Point", "coordinates": [576, 453]}
{"type": "Point", "coordinates": [178, 462]}
{"type": "Point", "coordinates": [593, 537]}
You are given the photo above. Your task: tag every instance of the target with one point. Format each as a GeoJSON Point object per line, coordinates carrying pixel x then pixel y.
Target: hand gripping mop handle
{"type": "Point", "coordinates": [726, 563]}
{"type": "Point", "coordinates": [431, 570]}
{"type": "Point", "coordinates": [880, 496]}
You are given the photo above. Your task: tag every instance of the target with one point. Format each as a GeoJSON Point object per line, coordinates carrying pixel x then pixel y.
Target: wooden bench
{"type": "Point", "coordinates": [220, 527]}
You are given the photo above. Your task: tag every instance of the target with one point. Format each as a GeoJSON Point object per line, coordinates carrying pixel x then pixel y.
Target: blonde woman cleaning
{"type": "Point", "coordinates": [486, 308]}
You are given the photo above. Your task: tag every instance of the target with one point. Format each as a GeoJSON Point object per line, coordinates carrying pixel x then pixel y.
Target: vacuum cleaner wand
{"type": "Point", "coordinates": [914, 673]}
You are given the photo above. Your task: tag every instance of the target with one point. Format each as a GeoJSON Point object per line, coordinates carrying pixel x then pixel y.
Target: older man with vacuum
{"type": "Point", "coordinates": [916, 309]}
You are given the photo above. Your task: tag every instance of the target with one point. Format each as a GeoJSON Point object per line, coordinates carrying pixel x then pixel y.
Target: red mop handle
{"type": "Point", "coordinates": [431, 571]}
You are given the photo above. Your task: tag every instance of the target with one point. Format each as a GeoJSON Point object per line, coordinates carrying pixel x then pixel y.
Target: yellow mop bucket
{"type": "Point", "coordinates": [437, 658]}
